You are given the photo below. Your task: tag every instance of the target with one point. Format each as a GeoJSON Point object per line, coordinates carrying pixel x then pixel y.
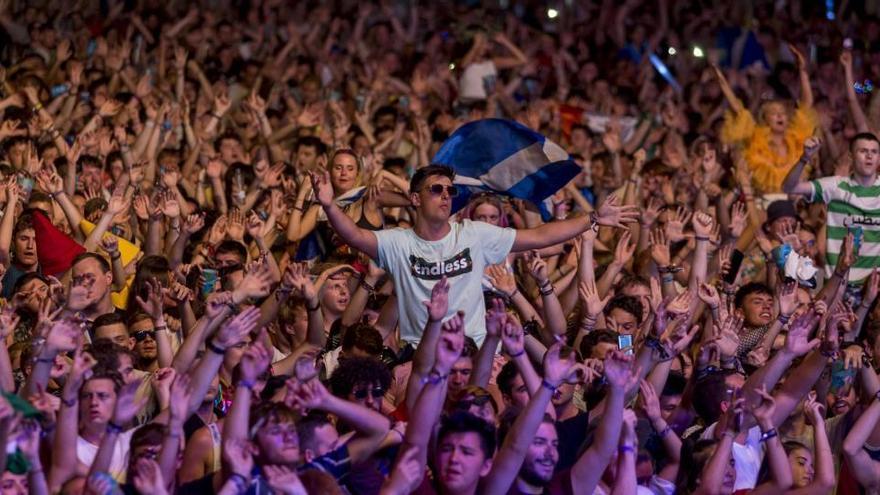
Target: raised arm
{"type": "Point", "coordinates": [361, 239]}
{"type": "Point", "coordinates": [792, 183]}
{"type": "Point", "coordinates": [588, 469]}
{"type": "Point", "coordinates": [423, 360]}
{"type": "Point", "coordinates": [425, 413]}
{"type": "Point", "coordinates": [496, 317]}
{"type": "Point", "coordinates": [865, 469]}
{"type": "Point", "coordinates": [610, 214]}
{"type": "Point", "coordinates": [371, 425]}
{"type": "Point", "coordinates": [505, 466]}
{"type": "Point", "coordinates": [855, 109]}
{"type": "Point", "coordinates": [806, 97]}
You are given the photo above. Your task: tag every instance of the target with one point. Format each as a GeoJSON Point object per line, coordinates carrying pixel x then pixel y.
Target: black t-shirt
{"type": "Point", "coordinates": [572, 434]}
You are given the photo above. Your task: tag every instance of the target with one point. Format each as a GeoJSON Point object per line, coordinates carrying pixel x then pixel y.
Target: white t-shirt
{"type": "Point", "coordinates": [86, 452]}
{"type": "Point", "coordinates": [747, 457]}
{"type": "Point", "coordinates": [416, 265]}
{"type": "Point", "coordinates": [473, 81]}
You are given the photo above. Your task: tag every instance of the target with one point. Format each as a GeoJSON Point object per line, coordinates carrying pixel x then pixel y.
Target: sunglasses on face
{"type": "Point", "coordinates": [377, 393]}
{"type": "Point", "coordinates": [143, 334]}
{"type": "Point", "coordinates": [437, 190]}
{"type": "Point", "coordinates": [474, 401]}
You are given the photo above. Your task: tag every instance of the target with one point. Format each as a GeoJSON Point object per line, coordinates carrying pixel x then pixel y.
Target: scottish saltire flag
{"type": "Point", "coordinates": [508, 158]}
{"type": "Point", "coordinates": [315, 246]}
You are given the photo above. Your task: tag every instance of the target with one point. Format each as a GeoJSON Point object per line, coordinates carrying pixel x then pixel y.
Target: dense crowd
{"type": "Point", "coordinates": [230, 264]}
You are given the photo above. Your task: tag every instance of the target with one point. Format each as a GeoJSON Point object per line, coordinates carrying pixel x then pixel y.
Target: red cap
{"type": "Point", "coordinates": [55, 249]}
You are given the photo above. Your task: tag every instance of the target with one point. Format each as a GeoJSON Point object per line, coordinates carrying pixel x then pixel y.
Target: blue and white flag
{"type": "Point", "coordinates": [507, 158]}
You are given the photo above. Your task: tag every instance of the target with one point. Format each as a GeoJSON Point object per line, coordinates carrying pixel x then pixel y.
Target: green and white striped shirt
{"type": "Point", "coordinates": [850, 205]}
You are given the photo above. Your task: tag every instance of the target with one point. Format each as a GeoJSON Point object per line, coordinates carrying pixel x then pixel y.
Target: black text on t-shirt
{"type": "Point", "coordinates": [435, 270]}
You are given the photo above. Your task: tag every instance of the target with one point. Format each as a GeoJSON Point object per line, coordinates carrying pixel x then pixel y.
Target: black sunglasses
{"type": "Point", "coordinates": [437, 190]}
{"type": "Point", "coordinates": [377, 393]}
{"type": "Point", "coordinates": [143, 334]}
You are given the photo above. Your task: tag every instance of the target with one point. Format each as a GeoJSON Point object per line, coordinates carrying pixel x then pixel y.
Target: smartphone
{"type": "Point", "coordinates": [209, 275]}
{"type": "Point", "coordinates": [625, 344]}
{"type": "Point", "coordinates": [736, 260]}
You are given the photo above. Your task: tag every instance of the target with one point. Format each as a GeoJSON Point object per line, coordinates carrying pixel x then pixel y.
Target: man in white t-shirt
{"type": "Point", "coordinates": [436, 248]}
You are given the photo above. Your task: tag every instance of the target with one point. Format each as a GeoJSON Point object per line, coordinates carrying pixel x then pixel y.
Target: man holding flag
{"type": "Point", "coordinates": [435, 249]}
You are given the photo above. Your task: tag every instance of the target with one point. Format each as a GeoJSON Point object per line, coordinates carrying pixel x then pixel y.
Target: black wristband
{"type": "Point", "coordinates": [213, 348]}
{"type": "Point", "coordinates": [113, 427]}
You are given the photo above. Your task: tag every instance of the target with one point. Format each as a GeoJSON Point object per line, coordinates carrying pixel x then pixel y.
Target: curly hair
{"type": "Point", "coordinates": [355, 370]}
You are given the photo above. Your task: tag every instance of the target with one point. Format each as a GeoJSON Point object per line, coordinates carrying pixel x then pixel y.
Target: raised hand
{"type": "Point", "coordinates": [322, 187]}
{"type": "Point", "coordinates": [763, 411]}
{"type": "Point", "coordinates": [619, 371]}
{"type": "Point", "coordinates": [297, 277]}
{"type": "Point", "coordinates": [283, 480]}
{"type": "Point", "coordinates": [796, 341]}
{"type": "Point", "coordinates": [811, 147]}
{"type": "Point", "coordinates": [235, 225]}
{"type": "Point", "coordinates": [593, 304]}
{"type": "Point", "coordinates": [255, 360]}
{"type": "Point", "coordinates": [502, 279]}
{"type": "Point", "coordinates": [659, 248]}
{"type": "Point", "coordinates": [709, 295]}
{"type": "Point", "coordinates": [451, 343]}
{"type": "Point", "coordinates": [727, 335]}
{"type": "Point", "coordinates": [625, 248]}
{"type": "Point", "coordinates": [152, 305]}
{"type": "Point", "coordinates": [513, 339]}
{"type": "Point", "coordinates": [161, 382]}
{"type": "Point", "coordinates": [703, 224]}
{"type": "Point", "coordinates": [496, 318]}
{"type": "Point", "coordinates": [193, 223]}
{"type": "Point", "coordinates": [235, 330]}
{"type": "Point", "coordinates": [675, 224]}
{"type": "Point", "coordinates": [256, 283]}
{"type": "Point", "coordinates": [648, 401]}
{"type": "Point", "coordinates": [612, 214]}
{"type": "Point", "coordinates": [127, 404]}
{"type": "Point", "coordinates": [559, 364]}
{"type": "Point", "coordinates": [148, 477]}
{"type": "Point", "coordinates": [537, 268]}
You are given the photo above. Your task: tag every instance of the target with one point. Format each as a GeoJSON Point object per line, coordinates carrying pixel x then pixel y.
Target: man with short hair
{"type": "Point", "coordinates": [853, 202]}
{"type": "Point", "coordinates": [436, 249]}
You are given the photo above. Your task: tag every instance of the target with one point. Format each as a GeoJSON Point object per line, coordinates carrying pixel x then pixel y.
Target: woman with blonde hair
{"type": "Point", "coordinates": [773, 146]}
{"type": "Point", "coordinates": [362, 203]}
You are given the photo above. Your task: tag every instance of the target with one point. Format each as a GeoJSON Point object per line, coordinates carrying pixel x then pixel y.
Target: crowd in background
{"type": "Point", "coordinates": [230, 265]}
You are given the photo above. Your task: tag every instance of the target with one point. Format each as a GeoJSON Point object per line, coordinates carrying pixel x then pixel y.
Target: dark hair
{"type": "Point", "coordinates": [105, 373]}
{"type": "Point", "coordinates": [234, 247]}
{"type": "Point", "coordinates": [470, 348]}
{"type": "Point", "coordinates": [355, 370]}
{"type": "Point", "coordinates": [107, 319]}
{"type": "Point", "coordinates": [24, 222]}
{"type": "Point", "coordinates": [422, 174]}
{"type": "Point", "coordinates": [863, 136]}
{"type": "Point", "coordinates": [709, 392]}
{"type": "Point", "coordinates": [106, 354]}
{"type": "Point", "coordinates": [592, 339]}
{"type": "Point", "coordinates": [312, 142]}
{"type": "Point", "coordinates": [362, 336]}
{"type": "Point", "coordinates": [675, 384]}
{"type": "Point", "coordinates": [505, 378]}
{"type": "Point", "coordinates": [750, 288]}
{"type": "Point", "coordinates": [151, 434]}
{"type": "Point", "coordinates": [93, 206]}
{"type": "Point", "coordinates": [105, 266]}
{"type": "Point", "coordinates": [630, 304]}
{"type": "Point", "coordinates": [271, 412]}
{"type": "Point", "coordinates": [149, 267]}
{"type": "Point", "coordinates": [464, 422]}
{"type": "Point", "coordinates": [306, 426]}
